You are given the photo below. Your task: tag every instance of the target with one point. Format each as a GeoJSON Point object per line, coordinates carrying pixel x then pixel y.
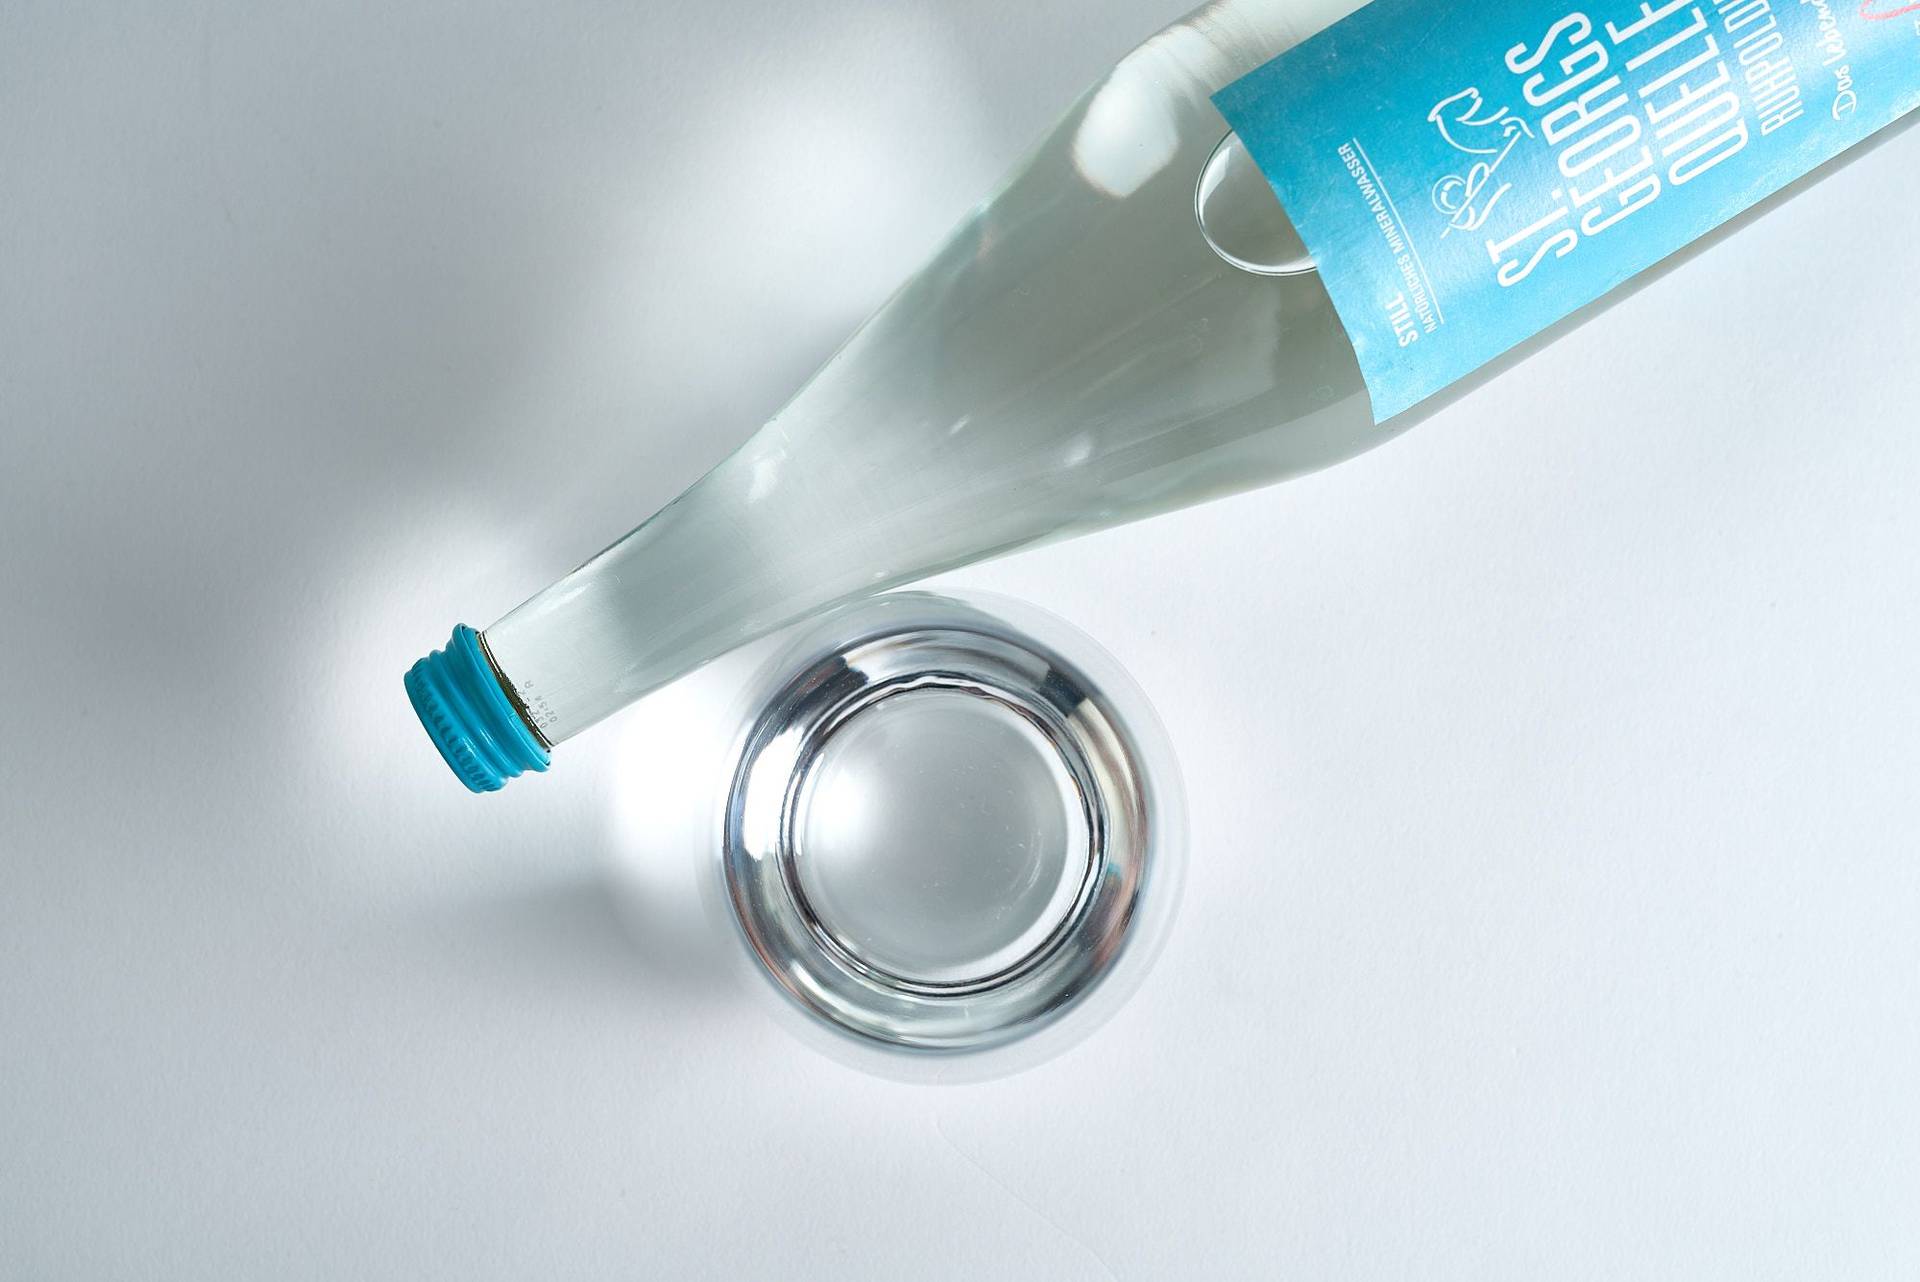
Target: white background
{"type": "Point", "coordinates": [1556, 849]}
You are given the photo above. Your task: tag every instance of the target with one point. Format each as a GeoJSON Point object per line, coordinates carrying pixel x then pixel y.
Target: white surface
{"type": "Point", "coordinates": [1553, 899]}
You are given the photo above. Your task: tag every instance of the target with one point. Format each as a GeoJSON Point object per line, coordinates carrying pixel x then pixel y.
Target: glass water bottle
{"type": "Point", "coordinates": [1128, 326]}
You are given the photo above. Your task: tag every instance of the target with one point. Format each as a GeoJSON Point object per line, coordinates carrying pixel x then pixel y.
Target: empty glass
{"type": "Point", "coordinates": [950, 823]}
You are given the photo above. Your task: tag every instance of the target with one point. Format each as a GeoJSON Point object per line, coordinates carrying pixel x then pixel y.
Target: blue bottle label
{"type": "Point", "coordinates": [1467, 174]}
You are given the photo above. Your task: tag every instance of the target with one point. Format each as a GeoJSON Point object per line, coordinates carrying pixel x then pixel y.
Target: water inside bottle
{"type": "Point", "coordinates": [1127, 327]}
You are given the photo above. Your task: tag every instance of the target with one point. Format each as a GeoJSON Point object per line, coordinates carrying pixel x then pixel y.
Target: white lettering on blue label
{"type": "Point", "coordinates": [1467, 175]}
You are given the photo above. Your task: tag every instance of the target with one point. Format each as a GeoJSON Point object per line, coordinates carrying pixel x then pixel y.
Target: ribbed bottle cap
{"type": "Point", "coordinates": [461, 702]}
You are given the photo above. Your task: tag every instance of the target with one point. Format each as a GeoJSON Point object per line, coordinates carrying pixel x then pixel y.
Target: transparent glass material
{"type": "Point", "coordinates": [1128, 326]}
{"type": "Point", "coordinates": [950, 823]}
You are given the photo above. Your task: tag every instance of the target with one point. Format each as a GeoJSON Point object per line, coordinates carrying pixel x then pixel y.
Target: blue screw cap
{"type": "Point", "coordinates": [464, 706]}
